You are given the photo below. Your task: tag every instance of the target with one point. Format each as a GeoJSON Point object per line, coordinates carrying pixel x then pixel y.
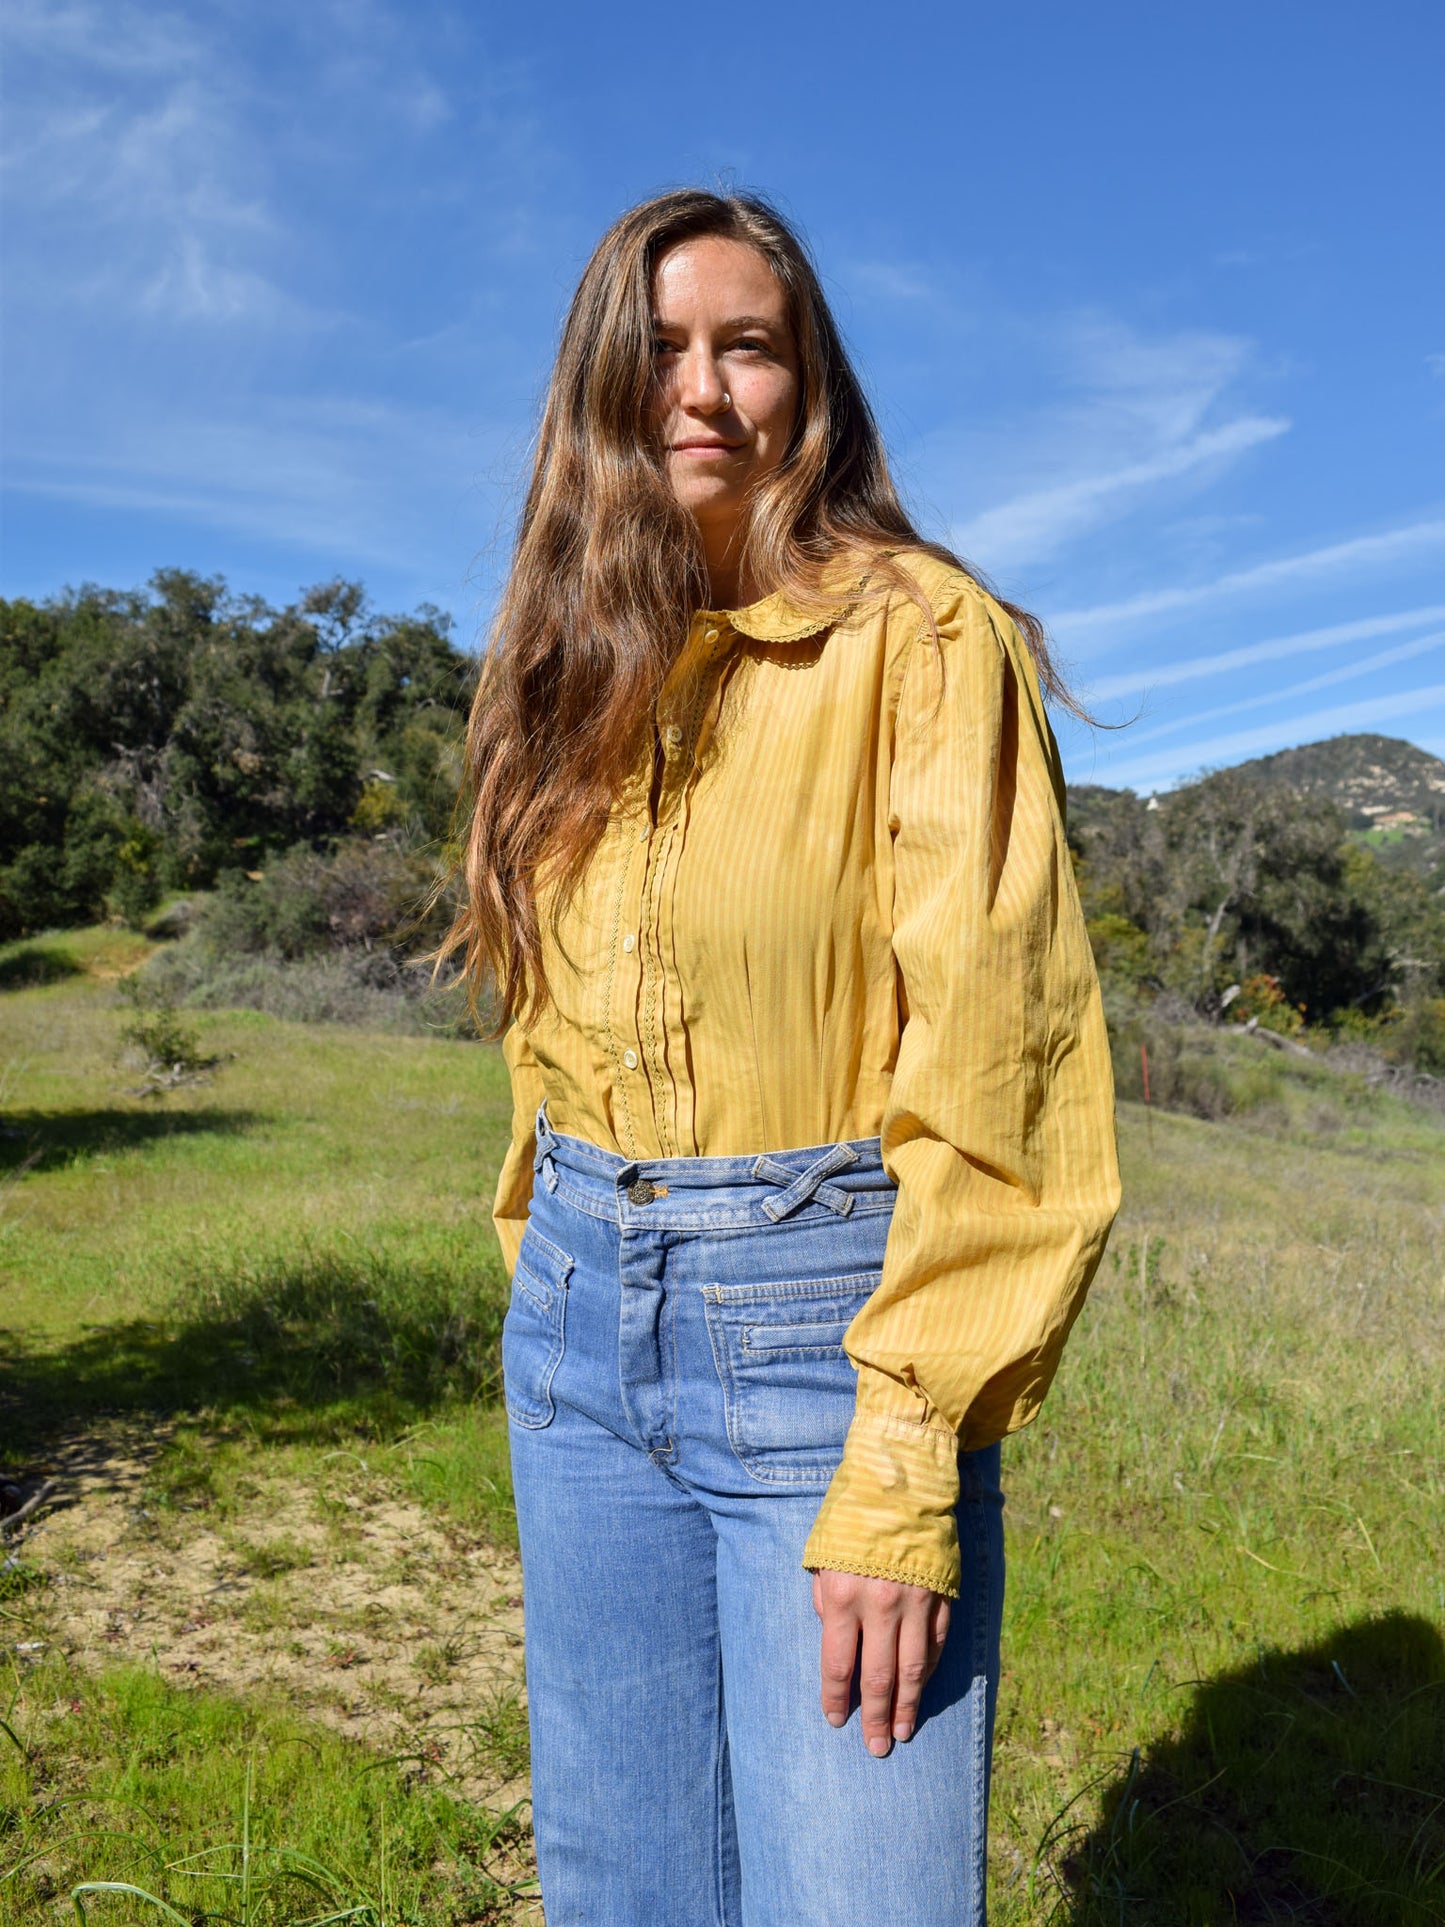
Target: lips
{"type": "Point", "coordinates": [705, 448]}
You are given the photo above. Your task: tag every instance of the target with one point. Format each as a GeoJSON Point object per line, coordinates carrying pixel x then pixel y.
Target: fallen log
{"type": "Point", "coordinates": [32, 1505]}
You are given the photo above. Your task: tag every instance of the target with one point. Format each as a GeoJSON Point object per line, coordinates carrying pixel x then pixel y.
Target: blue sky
{"type": "Point", "coordinates": [1149, 298]}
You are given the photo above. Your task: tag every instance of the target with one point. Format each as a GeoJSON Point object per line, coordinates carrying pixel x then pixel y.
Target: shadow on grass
{"type": "Point", "coordinates": [317, 1348]}
{"type": "Point", "coordinates": [1308, 1787]}
{"type": "Point", "coordinates": [30, 964]}
{"type": "Point", "coordinates": [49, 1140]}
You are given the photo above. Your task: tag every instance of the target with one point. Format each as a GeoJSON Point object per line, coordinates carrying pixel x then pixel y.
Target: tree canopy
{"type": "Point", "coordinates": [183, 737]}
{"type": "Point", "coordinates": [158, 739]}
{"type": "Point", "coordinates": [1234, 884]}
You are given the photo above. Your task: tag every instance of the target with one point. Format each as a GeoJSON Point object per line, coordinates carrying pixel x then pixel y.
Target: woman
{"type": "Point", "coordinates": [813, 1154]}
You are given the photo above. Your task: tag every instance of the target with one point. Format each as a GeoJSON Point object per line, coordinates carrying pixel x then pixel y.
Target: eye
{"type": "Point", "coordinates": [753, 344]}
{"type": "Point", "coordinates": [661, 347]}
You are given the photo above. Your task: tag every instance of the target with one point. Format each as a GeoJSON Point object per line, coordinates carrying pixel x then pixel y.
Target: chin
{"type": "Point", "coordinates": [703, 498]}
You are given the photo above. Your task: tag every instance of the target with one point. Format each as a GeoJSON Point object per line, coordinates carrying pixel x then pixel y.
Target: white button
{"type": "Point", "coordinates": [629, 1058]}
{"type": "Point", "coordinates": [643, 832]}
{"type": "Point", "coordinates": [711, 636]}
{"type": "Point", "coordinates": [674, 733]}
{"type": "Point", "coordinates": [629, 942]}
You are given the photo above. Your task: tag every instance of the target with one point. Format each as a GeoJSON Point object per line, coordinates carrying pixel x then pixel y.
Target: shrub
{"type": "Point", "coordinates": [1121, 948]}
{"type": "Point", "coordinates": [1418, 1037]}
{"type": "Point", "coordinates": [1408, 1036]}
{"type": "Point", "coordinates": [1262, 1001]}
{"type": "Point", "coordinates": [319, 939]}
{"type": "Point", "coordinates": [157, 1035]}
{"type": "Point", "coordinates": [1185, 1072]}
{"type": "Point", "coordinates": [364, 893]}
{"type": "Point", "coordinates": [370, 989]}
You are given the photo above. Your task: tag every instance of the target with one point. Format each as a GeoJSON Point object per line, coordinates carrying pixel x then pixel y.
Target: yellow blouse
{"type": "Point", "coordinates": [846, 909]}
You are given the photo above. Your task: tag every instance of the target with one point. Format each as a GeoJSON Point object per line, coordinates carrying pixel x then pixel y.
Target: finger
{"type": "Point", "coordinates": [917, 1657]}
{"type": "Point", "coordinates": [818, 1594]}
{"type": "Point", "coordinates": [938, 1627]}
{"type": "Point", "coordinates": [838, 1655]}
{"type": "Point", "coordinates": [878, 1680]}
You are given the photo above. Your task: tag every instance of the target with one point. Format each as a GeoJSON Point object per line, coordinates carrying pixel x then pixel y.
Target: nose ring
{"type": "Point", "coordinates": [727, 401]}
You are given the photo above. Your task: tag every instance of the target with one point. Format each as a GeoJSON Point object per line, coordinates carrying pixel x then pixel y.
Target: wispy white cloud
{"type": "Point", "coordinates": [1276, 649]}
{"type": "Point", "coordinates": [893, 280]}
{"type": "Point", "coordinates": [131, 180]}
{"type": "Point", "coordinates": [364, 481]}
{"type": "Point", "coordinates": [145, 154]}
{"type": "Point", "coordinates": [142, 39]}
{"type": "Point", "coordinates": [218, 367]}
{"type": "Point", "coordinates": [1436, 365]}
{"type": "Point", "coordinates": [1288, 694]}
{"type": "Point", "coordinates": [1034, 524]}
{"type": "Point", "coordinates": [1177, 764]}
{"type": "Point", "coordinates": [1364, 552]}
{"type": "Point", "coordinates": [1134, 414]}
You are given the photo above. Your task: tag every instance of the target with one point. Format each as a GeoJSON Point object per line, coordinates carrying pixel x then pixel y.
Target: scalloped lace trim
{"type": "Point", "coordinates": [935, 1581]}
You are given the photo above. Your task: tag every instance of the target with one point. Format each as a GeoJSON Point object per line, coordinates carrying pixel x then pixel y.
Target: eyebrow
{"type": "Point", "coordinates": [733, 321]}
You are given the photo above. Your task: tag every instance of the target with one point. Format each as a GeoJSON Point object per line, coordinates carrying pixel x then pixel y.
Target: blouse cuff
{"type": "Point", "coordinates": [889, 1512]}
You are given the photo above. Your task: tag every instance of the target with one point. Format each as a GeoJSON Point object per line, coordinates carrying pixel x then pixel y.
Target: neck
{"type": "Point", "coordinates": [729, 584]}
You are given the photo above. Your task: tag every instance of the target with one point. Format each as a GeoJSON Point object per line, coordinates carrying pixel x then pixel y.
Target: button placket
{"type": "Point", "coordinates": [652, 985]}
{"type": "Point", "coordinates": [645, 1004]}
{"type": "Point", "coordinates": [684, 694]}
{"type": "Point", "coordinates": [622, 984]}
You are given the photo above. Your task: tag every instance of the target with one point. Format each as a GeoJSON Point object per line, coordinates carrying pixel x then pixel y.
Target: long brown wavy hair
{"type": "Point", "coordinates": [608, 571]}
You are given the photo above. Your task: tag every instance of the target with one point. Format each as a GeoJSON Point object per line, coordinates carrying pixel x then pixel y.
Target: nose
{"type": "Point", "coordinates": [700, 383]}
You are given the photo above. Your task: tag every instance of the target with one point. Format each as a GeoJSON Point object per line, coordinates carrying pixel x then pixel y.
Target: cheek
{"type": "Point", "coordinates": [775, 410]}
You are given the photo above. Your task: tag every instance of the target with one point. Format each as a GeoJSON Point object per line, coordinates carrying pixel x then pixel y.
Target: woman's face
{"type": "Point", "coordinates": [725, 389]}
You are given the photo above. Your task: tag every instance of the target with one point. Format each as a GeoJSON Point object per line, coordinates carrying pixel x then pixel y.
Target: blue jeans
{"type": "Point", "coordinates": [678, 1397]}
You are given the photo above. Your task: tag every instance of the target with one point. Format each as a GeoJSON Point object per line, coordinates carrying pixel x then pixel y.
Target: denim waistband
{"type": "Point", "coordinates": [846, 1179]}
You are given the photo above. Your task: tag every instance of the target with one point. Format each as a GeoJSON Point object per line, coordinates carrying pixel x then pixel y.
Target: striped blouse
{"type": "Point", "coordinates": [845, 908]}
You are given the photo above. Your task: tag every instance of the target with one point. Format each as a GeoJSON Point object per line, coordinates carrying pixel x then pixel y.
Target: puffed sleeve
{"type": "Point", "coordinates": [514, 1183]}
{"type": "Point", "coordinates": [999, 1129]}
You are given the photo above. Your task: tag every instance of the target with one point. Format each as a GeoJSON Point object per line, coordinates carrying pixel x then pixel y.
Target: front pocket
{"type": "Point", "coordinates": [788, 1386]}
{"type": "Point", "coordinates": [534, 1331]}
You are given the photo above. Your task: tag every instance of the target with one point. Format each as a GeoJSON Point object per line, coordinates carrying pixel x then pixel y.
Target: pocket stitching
{"type": "Point", "coordinates": [552, 1308]}
{"type": "Point", "coordinates": [725, 1295]}
{"type": "Point", "coordinates": [821, 1345]}
{"type": "Point", "coordinates": [562, 1261]}
{"type": "Point", "coordinates": [717, 1300]}
{"type": "Point", "coordinates": [541, 1299]}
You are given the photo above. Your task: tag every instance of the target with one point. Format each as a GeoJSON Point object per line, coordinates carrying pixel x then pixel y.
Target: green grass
{"type": "Point", "coordinates": [297, 1251]}
{"type": "Point", "coordinates": [103, 952]}
{"type": "Point", "coordinates": [1224, 1693]}
{"type": "Point", "coordinates": [228, 1812]}
{"type": "Point", "coordinates": [1226, 1597]}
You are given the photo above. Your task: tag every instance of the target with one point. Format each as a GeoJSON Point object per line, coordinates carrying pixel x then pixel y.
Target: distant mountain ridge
{"type": "Point", "coordinates": [1381, 782]}
{"type": "Point", "coordinates": [1392, 793]}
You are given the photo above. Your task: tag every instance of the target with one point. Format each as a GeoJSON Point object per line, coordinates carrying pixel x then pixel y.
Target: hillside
{"type": "Point", "coordinates": [1392, 793]}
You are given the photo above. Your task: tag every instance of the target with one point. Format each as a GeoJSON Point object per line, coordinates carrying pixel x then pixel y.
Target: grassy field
{"type": "Point", "coordinates": [262, 1662]}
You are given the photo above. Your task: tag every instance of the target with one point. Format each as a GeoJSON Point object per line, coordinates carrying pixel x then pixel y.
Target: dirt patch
{"type": "Point", "coordinates": [344, 1598]}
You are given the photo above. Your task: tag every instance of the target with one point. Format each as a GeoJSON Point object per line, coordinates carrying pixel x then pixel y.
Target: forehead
{"type": "Point", "coordinates": [711, 275]}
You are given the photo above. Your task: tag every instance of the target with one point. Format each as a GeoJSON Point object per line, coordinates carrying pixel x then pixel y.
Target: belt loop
{"type": "Point", "coordinates": [544, 1162]}
{"type": "Point", "coordinates": [811, 1184]}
